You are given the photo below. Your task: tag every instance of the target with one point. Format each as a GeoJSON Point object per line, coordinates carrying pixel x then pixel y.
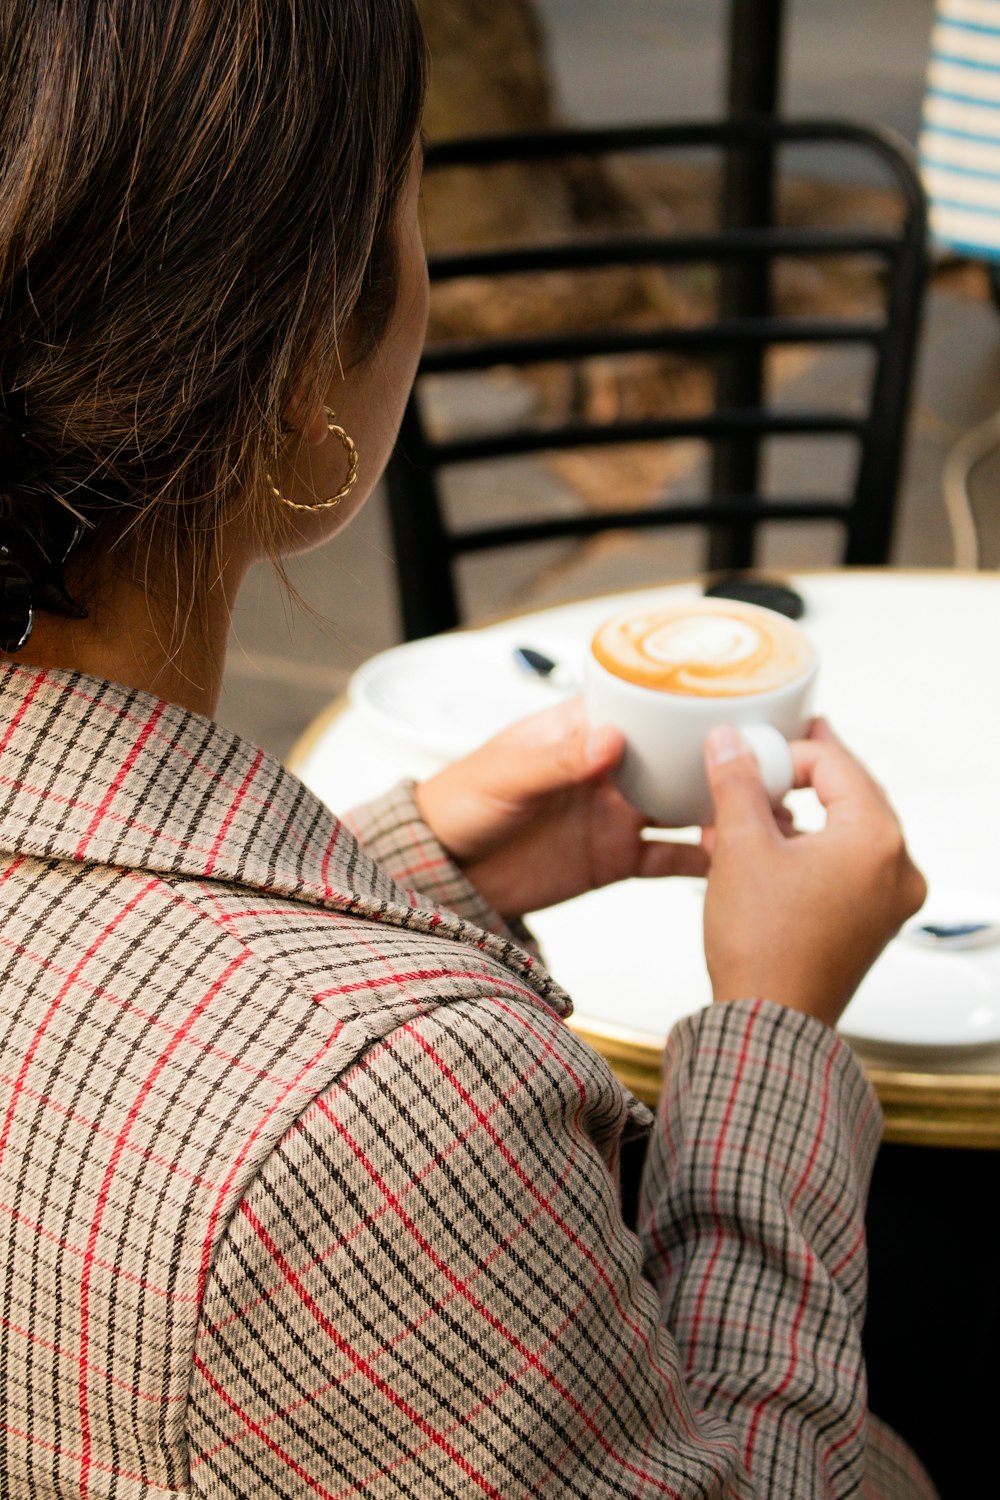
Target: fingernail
{"type": "Point", "coordinates": [597, 744]}
{"type": "Point", "coordinates": [724, 743]}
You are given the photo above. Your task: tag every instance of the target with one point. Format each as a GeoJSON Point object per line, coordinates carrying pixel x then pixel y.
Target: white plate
{"type": "Point", "coordinates": [448, 694]}
{"type": "Point", "coordinates": [917, 1006]}
{"type": "Point", "coordinates": [630, 955]}
{"type": "Point", "coordinates": [925, 1002]}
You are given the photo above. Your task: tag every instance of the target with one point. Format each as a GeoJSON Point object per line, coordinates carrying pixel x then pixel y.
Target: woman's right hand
{"type": "Point", "coordinates": [801, 919]}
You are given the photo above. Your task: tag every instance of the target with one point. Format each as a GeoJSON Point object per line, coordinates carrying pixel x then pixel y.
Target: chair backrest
{"type": "Point", "coordinates": [731, 343]}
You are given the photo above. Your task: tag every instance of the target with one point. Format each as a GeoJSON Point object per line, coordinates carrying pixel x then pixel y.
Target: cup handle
{"type": "Point", "coordinates": [771, 752]}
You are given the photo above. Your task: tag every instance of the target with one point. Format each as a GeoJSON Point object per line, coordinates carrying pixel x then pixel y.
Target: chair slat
{"type": "Point", "coordinates": [476, 354]}
{"type": "Point", "coordinates": [549, 528]}
{"type": "Point", "coordinates": [689, 249]}
{"type": "Point", "coordinates": [711, 426]}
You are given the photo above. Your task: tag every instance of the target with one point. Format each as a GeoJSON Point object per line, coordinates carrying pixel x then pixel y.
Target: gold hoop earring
{"type": "Point", "coordinates": [352, 471]}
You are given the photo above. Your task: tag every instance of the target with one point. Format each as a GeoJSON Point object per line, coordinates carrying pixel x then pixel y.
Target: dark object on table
{"type": "Point", "coordinates": [769, 593]}
{"type": "Point", "coordinates": [534, 661]}
{"type": "Point", "coordinates": [537, 664]}
{"type": "Point", "coordinates": [864, 425]}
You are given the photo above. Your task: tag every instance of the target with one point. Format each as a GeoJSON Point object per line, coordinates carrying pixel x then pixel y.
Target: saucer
{"type": "Point", "coordinates": [447, 694]}
{"type": "Point", "coordinates": [919, 1003]}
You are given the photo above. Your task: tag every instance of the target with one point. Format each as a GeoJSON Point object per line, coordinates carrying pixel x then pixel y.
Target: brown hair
{"type": "Point", "coordinates": [195, 196]}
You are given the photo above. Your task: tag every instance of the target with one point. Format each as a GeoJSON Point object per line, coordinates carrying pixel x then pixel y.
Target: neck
{"type": "Point", "coordinates": [128, 638]}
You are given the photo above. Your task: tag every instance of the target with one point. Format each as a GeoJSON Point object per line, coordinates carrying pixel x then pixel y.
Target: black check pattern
{"type": "Point", "coordinates": [307, 1189]}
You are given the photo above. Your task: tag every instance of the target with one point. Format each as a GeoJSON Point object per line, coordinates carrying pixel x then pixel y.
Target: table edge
{"type": "Point", "coordinates": [942, 1109]}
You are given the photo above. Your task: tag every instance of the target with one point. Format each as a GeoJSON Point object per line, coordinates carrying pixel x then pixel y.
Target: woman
{"type": "Point", "coordinates": [306, 1187]}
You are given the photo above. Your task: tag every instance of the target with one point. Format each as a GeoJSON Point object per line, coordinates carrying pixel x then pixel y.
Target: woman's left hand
{"type": "Point", "coordinates": [532, 818]}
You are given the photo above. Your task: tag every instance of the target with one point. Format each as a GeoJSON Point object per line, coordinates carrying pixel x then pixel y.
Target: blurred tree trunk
{"type": "Point", "coordinates": [490, 75]}
{"type": "Point", "coordinates": [490, 71]}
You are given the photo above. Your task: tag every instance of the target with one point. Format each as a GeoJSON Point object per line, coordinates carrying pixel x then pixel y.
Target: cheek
{"type": "Point", "coordinates": [401, 348]}
{"type": "Point", "coordinates": [415, 300]}
{"type": "Point", "coordinates": [425, 294]}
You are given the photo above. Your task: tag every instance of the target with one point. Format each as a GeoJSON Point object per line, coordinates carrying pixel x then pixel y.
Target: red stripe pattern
{"type": "Point", "coordinates": [306, 1189]}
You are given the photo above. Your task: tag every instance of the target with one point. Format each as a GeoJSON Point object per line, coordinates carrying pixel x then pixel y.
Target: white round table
{"type": "Point", "coordinates": [910, 677]}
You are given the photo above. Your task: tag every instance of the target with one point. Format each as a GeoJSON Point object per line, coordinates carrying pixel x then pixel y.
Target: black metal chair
{"type": "Point", "coordinates": [740, 421]}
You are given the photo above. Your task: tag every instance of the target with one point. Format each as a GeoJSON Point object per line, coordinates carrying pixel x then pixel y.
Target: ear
{"type": "Point", "coordinates": [314, 430]}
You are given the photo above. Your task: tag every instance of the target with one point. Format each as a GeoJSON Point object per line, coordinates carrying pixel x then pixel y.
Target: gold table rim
{"type": "Point", "coordinates": [920, 1108]}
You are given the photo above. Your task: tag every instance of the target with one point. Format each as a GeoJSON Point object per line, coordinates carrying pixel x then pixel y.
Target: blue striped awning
{"type": "Point", "coordinates": [960, 139]}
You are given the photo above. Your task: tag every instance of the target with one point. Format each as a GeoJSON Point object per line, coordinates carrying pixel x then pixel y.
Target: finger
{"type": "Point", "coordinates": [821, 729]}
{"type": "Point", "coordinates": [604, 750]}
{"type": "Point", "coordinates": [826, 757]}
{"type": "Point", "coordinates": [551, 751]}
{"type": "Point", "coordinates": [565, 748]}
{"type": "Point", "coordinates": [839, 779]}
{"type": "Point", "coordinates": [784, 822]}
{"type": "Point", "coordinates": [741, 803]}
{"type": "Point", "coordinates": [659, 858]}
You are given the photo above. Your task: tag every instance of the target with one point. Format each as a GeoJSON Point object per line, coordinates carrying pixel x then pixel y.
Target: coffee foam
{"type": "Point", "coordinates": [705, 649]}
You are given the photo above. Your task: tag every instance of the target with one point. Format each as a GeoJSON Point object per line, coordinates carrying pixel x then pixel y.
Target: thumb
{"type": "Point", "coordinates": [735, 782]}
{"type": "Point", "coordinates": [552, 751]}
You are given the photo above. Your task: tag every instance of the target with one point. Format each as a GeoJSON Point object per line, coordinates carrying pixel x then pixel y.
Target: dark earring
{"type": "Point", "coordinates": [29, 580]}
{"type": "Point", "coordinates": [17, 605]}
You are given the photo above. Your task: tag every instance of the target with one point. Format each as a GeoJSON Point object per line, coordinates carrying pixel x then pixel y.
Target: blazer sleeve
{"type": "Point", "coordinates": [400, 842]}
{"type": "Point", "coordinates": [429, 1290]}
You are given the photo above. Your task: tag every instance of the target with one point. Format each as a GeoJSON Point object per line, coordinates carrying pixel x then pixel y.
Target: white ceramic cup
{"type": "Point", "coordinates": [662, 772]}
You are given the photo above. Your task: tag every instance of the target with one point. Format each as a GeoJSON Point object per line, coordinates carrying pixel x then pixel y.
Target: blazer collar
{"type": "Point", "coordinates": [97, 773]}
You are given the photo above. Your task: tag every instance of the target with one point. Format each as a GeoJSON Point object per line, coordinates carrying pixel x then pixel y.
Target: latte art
{"type": "Point", "coordinates": [708, 648]}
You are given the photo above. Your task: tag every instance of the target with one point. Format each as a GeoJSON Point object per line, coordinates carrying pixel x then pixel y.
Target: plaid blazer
{"type": "Point", "coordinates": [306, 1188]}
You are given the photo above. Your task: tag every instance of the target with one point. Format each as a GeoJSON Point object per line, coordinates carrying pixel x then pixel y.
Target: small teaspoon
{"type": "Point", "coordinates": [954, 934]}
{"type": "Point", "coordinates": [537, 664]}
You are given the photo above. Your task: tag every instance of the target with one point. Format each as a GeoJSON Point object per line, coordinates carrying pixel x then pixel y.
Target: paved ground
{"type": "Point", "coordinates": [865, 56]}
{"type": "Point", "coordinates": [633, 59]}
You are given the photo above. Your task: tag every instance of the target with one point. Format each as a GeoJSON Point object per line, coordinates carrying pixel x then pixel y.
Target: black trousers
{"type": "Point", "coordinates": [932, 1337]}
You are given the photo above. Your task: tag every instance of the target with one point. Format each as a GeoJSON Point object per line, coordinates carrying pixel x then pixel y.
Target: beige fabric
{"type": "Point", "coordinates": [306, 1189]}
